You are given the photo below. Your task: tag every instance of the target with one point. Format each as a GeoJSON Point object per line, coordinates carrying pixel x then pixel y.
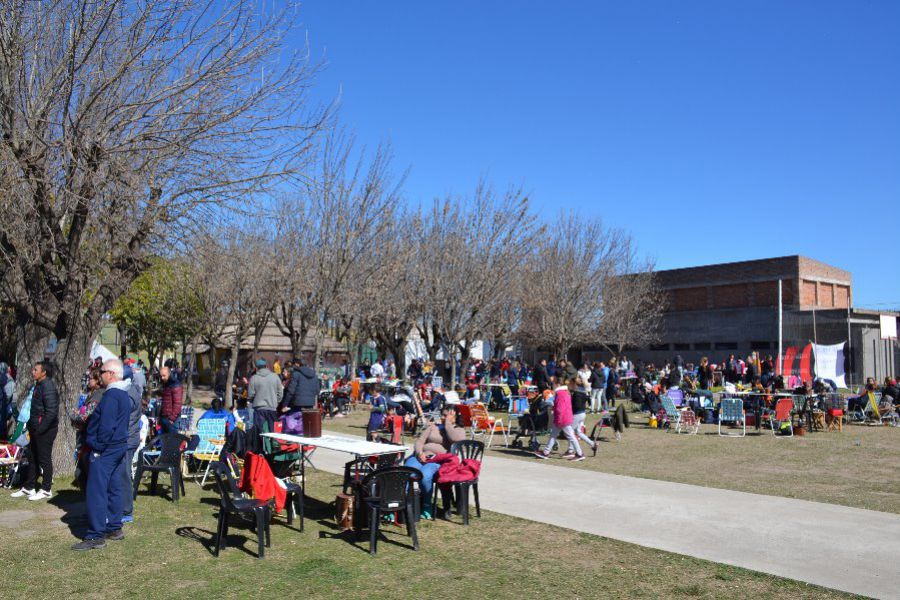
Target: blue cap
{"type": "Point", "coordinates": [260, 362]}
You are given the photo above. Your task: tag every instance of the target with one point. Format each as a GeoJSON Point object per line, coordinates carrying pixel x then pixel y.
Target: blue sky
{"type": "Point", "coordinates": [712, 131]}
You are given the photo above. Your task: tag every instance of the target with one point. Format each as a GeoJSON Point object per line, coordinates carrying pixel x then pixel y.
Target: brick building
{"type": "Point", "coordinates": [717, 310]}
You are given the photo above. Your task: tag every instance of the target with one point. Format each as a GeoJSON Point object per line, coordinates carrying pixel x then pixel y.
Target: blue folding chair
{"type": "Point", "coordinates": [731, 410]}
{"type": "Point", "coordinates": [518, 408]}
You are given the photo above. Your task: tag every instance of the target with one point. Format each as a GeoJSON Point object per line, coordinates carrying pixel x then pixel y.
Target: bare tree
{"type": "Point", "coordinates": [632, 305]}
{"type": "Point", "coordinates": [572, 263]}
{"type": "Point", "coordinates": [121, 124]}
{"type": "Point", "coordinates": [327, 235]}
{"type": "Point", "coordinates": [467, 244]}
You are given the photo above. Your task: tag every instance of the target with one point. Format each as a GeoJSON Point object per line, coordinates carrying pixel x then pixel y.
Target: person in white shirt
{"type": "Point", "coordinates": [377, 369]}
{"type": "Point", "coordinates": [585, 374]}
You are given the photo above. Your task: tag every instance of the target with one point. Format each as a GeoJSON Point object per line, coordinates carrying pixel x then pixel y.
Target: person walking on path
{"type": "Point", "coordinates": [580, 401]}
{"type": "Point", "coordinates": [107, 437]}
{"type": "Point", "coordinates": [42, 427]}
{"type": "Point", "coordinates": [562, 422]}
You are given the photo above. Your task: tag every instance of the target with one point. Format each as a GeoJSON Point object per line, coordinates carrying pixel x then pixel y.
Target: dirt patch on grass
{"type": "Point", "coordinates": [12, 519]}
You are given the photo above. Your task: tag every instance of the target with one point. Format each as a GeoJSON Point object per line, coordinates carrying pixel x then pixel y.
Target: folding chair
{"type": "Point", "coordinates": [518, 408]}
{"type": "Point", "coordinates": [484, 424]}
{"type": "Point", "coordinates": [834, 416]}
{"type": "Point", "coordinates": [669, 414]}
{"type": "Point", "coordinates": [465, 416]}
{"type": "Point", "coordinates": [676, 395]}
{"type": "Point", "coordinates": [688, 422]}
{"type": "Point", "coordinates": [871, 412]}
{"type": "Point", "coordinates": [185, 420]}
{"type": "Point", "coordinates": [212, 439]}
{"type": "Point", "coordinates": [732, 410]}
{"type": "Point", "coordinates": [782, 417]}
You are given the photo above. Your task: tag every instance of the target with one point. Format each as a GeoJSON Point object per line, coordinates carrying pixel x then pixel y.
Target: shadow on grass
{"type": "Point", "coordinates": [72, 503]}
{"type": "Point", "coordinates": [207, 539]}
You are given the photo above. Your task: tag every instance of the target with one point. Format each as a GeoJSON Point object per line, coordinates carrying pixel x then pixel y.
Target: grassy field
{"type": "Point", "coordinates": [855, 468]}
{"type": "Point", "coordinates": [167, 552]}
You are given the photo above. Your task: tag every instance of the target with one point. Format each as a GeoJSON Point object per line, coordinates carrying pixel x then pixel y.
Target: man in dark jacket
{"type": "Point", "coordinates": [134, 440]}
{"type": "Point", "coordinates": [541, 377]}
{"type": "Point", "coordinates": [172, 398]}
{"type": "Point", "coordinates": [42, 427]}
{"type": "Point", "coordinates": [107, 438]}
{"type": "Point", "coordinates": [303, 389]}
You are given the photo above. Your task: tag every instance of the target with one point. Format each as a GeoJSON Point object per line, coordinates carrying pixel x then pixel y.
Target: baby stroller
{"type": "Point", "coordinates": [534, 423]}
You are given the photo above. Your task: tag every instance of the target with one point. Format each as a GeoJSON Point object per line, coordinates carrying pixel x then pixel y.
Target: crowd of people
{"type": "Point", "coordinates": [115, 415]}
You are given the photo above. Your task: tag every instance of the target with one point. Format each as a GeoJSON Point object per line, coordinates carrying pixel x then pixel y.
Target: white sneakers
{"type": "Point", "coordinates": [32, 494]}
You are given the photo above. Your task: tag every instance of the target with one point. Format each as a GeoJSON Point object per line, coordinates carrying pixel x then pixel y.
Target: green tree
{"type": "Point", "coordinates": [160, 308]}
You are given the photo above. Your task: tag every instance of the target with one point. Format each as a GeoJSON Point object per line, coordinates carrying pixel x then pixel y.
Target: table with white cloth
{"type": "Point", "coordinates": [357, 447]}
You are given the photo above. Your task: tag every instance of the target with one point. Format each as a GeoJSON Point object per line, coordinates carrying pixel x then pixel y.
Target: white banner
{"type": "Point", "coordinates": [830, 363]}
{"type": "Point", "coordinates": [888, 327]}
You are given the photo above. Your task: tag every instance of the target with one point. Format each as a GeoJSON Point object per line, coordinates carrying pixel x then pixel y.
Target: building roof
{"type": "Point", "coordinates": [764, 269]}
{"type": "Point", "coordinates": [274, 341]}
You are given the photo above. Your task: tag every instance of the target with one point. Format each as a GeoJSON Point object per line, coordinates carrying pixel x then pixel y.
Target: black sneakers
{"type": "Point", "coordinates": [96, 544]}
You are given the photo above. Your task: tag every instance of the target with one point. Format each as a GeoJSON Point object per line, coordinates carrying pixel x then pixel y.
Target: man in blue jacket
{"type": "Point", "coordinates": [107, 437]}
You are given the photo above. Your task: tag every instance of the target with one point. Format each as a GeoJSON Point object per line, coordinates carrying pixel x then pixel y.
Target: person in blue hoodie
{"type": "Point", "coordinates": [107, 437]}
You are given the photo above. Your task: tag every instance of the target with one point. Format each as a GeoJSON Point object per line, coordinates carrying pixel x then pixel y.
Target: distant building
{"type": "Point", "coordinates": [732, 308]}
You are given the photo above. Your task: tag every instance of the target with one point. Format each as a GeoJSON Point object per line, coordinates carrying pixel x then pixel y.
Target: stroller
{"type": "Point", "coordinates": [534, 423]}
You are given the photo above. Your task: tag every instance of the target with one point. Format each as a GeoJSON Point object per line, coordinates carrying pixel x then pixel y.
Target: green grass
{"type": "Point", "coordinates": [855, 468]}
{"type": "Point", "coordinates": [167, 554]}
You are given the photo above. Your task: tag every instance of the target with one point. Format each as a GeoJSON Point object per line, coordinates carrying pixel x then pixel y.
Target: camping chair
{"type": "Point", "coordinates": [887, 412]}
{"type": "Point", "coordinates": [871, 412]}
{"type": "Point", "coordinates": [669, 414]}
{"type": "Point", "coordinates": [212, 439]}
{"type": "Point", "coordinates": [185, 420]}
{"type": "Point", "coordinates": [466, 449]}
{"type": "Point", "coordinates": [688, 422]}
{"type": "Point", "coordinates": [465, 416]}
{"type": "Point", "coordinates": [782, 417]}
{"type": "Point", "coordinates": [676, 395]}
{"type": "Point", "coordinates": [517, 408]}
{"type": "Point", "coordinates": [834, 415]}
{"type": "Point", "coordinates": [168, 461]}
{"type": "Point", "coordinates": [484, 424]}
{"type": "Point", "coordinates": [732, 410]}
{"type": "Point", "coordinates": [389, 490]}
{"type": "Point", "coordinates": [233, 502]}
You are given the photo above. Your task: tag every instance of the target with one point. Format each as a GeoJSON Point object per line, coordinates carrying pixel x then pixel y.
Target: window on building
{"type": "Point", "coordinates": [659, 346]}
{"type": "Point", "coordinates": [760, 345]}
{"type": "Point", "coordinates": [682, 346]}
{"type": "Point", "coordinates": [726, 345]}
{"type": "Point", "coordinates": [702, 346]}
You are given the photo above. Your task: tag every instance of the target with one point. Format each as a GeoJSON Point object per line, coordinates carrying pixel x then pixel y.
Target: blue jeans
{"type": "Point", "coordinates": [127, 483]}
{"type": "Point", "coordinates": [429, 470]}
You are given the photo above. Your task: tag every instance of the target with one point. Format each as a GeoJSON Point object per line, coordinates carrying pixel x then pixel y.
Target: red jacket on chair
{"type": "Point", "coordinates": [257, 478]}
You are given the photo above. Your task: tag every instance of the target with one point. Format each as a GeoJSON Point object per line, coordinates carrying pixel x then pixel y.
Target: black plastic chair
{"type": "Point", "coordinates": [356, 470]}
{"type": "Point", "coordinates": [258, 512]}
{"type": "Point", "coordinates": [169, 461]}
{"type": "Point", "coordinates": [389, 491]}
{"type": "Point", "coordinates": [466, 449]}
{"type": "Point", "coordinates": [293, 503]}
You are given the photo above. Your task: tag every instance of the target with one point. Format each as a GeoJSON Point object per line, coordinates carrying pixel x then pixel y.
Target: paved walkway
{"type": "Point", "coordinates": [834, 546]}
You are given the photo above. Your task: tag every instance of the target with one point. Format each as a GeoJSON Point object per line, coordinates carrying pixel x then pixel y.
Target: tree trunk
{"type": "Point", "coordinates": [232, 366]}
{"type": "Point", "coordinates": [31, 346]}
{"type": "Point", "coordinates": [189, 367]}
{"type": "Point", "coordinates": [72, 355]}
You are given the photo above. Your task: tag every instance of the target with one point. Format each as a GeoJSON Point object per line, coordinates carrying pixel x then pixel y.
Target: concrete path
{"type": "Point", "coordinates": [833, 546]}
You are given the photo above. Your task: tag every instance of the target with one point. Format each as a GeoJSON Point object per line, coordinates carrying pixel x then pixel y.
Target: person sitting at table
{"type": "Point", "coordinates": [435, 439]}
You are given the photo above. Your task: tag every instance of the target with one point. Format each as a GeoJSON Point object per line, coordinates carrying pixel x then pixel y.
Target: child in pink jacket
{"type": "Point", "coordinates": [562, 421]}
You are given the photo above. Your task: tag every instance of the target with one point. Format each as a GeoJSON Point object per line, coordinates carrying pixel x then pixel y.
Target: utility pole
{"type": "Point", "coordinates": [780, 336]}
